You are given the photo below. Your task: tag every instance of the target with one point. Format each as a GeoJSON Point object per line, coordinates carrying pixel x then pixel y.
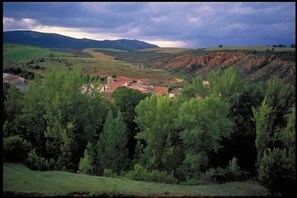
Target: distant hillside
{"type": "Point", "coordinates": [257, 65]}
{"type": "Point", "coordinates": [56, 41]}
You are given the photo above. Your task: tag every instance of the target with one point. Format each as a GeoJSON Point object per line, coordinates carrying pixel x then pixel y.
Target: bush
{"type": "Point", "coordinates": [109, 173]}
{"type": "Point", "coordinates": [36, 162]}
{"type": "Point", "coordinates": [15, 148]}
{"type": "Point", "coordinates": [231, 173]}
{"type": "Point", "coordinates": [139, 173]}
{"type": "Point", "coordinates": [277, 171]}
{"type": "Point", "coordinates": [85, 166]}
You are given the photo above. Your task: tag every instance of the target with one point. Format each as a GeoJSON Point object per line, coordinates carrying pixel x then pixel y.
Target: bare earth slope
{"type": "Point", "coordinates": [257, 67]}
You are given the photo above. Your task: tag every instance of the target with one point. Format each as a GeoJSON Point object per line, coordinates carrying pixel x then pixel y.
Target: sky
{"type": "Point", "coordinates": [166, 24]}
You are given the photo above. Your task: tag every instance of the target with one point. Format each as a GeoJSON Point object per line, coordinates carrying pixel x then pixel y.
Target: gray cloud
{"type": "Point", "coordinates": [197, 24]}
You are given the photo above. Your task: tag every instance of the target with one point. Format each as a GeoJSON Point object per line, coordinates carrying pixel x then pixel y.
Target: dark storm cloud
{"type": "Point", "coordinates": [199, 24]}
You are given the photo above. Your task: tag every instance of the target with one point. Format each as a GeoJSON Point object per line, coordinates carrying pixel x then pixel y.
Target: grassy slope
{"type": "Point", "coordinates": [256, 48]}
{"type": "Point", "coordinates": [18, 52]}
{"type": "Point", "coordinates": [19, 179]}
{"type": "Point", "coordinates": [165, 50]}
{"type": "Point", "coordinates": [98, 65]}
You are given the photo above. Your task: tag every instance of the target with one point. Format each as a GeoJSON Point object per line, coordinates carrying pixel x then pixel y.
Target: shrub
{"type": "Point", "coordinates": [109, 173]}
{"type": "Point", "coordinates": [141, 174]}
{"type": "Point", "coordinates": [277, 171]}
{"type": "Point", "coordinates": [15, 148]}
{"type": "Point", "coordinates": [36, 162]}
{"type": "Point", "coordinates": [231, 173]}
{"type": "Point", "coordinates": [85, 163]}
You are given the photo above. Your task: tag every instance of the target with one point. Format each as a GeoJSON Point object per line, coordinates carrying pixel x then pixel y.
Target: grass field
{"type": "Point", "coordinates": [100, 64]}
{"type": "Point", "coordinates": [165, 50]}
{"type": "Point", "coordinates": [19, 52]}
{"type": "Point", "coordinates": [256, 48]}
{"type": "Point", "coordinates": [19, 180]}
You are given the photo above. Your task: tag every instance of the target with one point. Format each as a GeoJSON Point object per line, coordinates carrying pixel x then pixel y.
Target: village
{"type": "Point", "coordinates": [107, 88]}
{"type": "Point", "coordinates": [141, 85]}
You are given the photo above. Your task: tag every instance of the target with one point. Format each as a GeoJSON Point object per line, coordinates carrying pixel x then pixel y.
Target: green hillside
{"type": "Point", "coordinates": [19, 52]}
{"type": "Point", "coordinates": [19, 180]}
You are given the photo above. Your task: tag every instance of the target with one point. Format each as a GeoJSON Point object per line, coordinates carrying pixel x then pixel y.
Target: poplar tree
{"type": "Point", "coordinates": [111, 147]}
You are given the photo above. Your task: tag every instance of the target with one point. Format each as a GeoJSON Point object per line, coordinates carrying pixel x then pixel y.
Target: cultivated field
{"type": "Point", "coordinates": [28, 58]}
{"type": "Point", "coordinates": [19, 180]}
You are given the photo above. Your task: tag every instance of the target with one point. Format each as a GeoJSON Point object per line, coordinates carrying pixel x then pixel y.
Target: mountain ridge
{"type": "Point", "coordinates": [58, 41]}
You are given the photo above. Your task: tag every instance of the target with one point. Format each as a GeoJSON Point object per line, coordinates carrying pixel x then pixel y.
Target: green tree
{"type": "Point", "coordinates": [85, 163]}
{"type": "Point", "coordinates": [228, 84]}
{"type": "Point", "coordinates": [195, 88]}
{"type": "Point", "coordinates": [72, 118]}
{"type": "Point", "coordinates": [203, 123]}
{"type": "Point", "coordinates": [12, 109]}
{"type": "Point", "coordinates": [126, 100]}
{"type": "Point", "coordinates": [241, 143]}
{"type": "Point", "coordinates": [275, 125]}
{"type": "Point", "coordinates": [33, 116]}
{"type": "Point", "coordinates": [155, 117]}
{"type": "Point", "coordinates": [15, 148]}
{"type": "Point", "coordinates": [111, 147]}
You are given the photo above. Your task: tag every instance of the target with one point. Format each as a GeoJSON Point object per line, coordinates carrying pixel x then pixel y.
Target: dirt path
{"type": "Point", "coordinates": [98, 55]}
{"type": "Point", "coordinates": [176, 80]}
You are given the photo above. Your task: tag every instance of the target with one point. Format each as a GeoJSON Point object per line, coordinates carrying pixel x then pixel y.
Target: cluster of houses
{"type": "Point", "coordinates": [141, 85]}
{"type": "Point", "coordinates": [109, 87]}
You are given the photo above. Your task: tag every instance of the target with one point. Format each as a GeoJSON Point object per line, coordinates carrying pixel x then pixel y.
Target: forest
{"type": "Point", "coordinates": [230, 130]}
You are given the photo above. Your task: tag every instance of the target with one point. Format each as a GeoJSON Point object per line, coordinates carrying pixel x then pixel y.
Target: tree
{"type": "Point", "coordinates": [12, 108]}
{"type": "Point", "coordinates": [220, 46]}
{"type": "Point", "coordinates": [241, 143]}
{"type": "Point", "coordinates": [15, 148]}
{"type": "Point", "coordinates": [228, 84]}
{"type": "Point", "coordinates": [33, 116]}
{"type": "Point", "coordinates": [126, 100]}
{"type": "Point", "coordinates": [275, 125]}
{"type": "Point", "coordinates": [155, 118]}
{"type": "Point", "coordinates": [203, 123]}
{"type": "Point", "coordinates": [194, 89]}
{"type": "Point", "coordinates": [85, 163]}
{"type": "Point", "coordinates": [111, 147]}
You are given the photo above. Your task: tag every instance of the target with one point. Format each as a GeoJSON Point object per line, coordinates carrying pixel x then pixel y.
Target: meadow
{"type": "Point", "coordinates": [39, 60]}
{"type": "Point", "coordinates": [19, 180]}
{"type": "Point", "coordinates": [19, 52]}
{"type": "Point", "coordinates": [250, 48]}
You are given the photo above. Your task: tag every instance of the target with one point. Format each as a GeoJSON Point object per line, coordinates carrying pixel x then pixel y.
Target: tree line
{"type": "Point", "coordinates": [228, 130]}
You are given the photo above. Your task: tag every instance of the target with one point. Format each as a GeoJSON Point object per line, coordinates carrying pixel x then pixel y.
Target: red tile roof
{"type": "Point", "coordinates": [161, 90]}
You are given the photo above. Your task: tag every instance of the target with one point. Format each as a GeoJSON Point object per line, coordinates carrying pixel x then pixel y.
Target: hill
{"type": "Point", "coordinates": [39, 60]}
{"type": "Point", "coordinates": [19, 180]}
{"type": "Point", "coordinates": [19, 52]}
{"type": "Point", "coordinates": [57, 41]}
{"type": "Point", "coordinates": [256, 64]}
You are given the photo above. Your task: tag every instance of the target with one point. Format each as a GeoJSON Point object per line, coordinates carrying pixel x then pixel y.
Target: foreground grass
{"type": "Point", "coordinates": [19, 180]}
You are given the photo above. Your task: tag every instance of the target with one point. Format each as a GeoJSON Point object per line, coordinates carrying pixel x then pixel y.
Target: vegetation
{"type": "Point", "coordinates": [42, 60]}
{"type": "Point", "coordinates": [256, 48]}
{"type": "Point", "coordinates": [195, 138]}
{"type": "Point", "coordinates": [18, 180]}
{"type": "Point", "coordinates": [18, 52]}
